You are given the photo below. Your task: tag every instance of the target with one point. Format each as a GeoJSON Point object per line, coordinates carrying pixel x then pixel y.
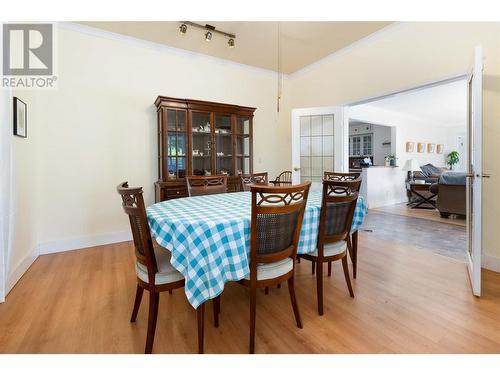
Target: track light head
{"type": "Point", "coordinates": [183, 29]}
{"type": "Point", "coordinates": [230, 43]}
{"type": "Point", "coordinates": [208, 36]}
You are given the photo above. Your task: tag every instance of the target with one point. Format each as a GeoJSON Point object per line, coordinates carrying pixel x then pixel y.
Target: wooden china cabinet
{"type": "Point", "coordinates": [198, 138]}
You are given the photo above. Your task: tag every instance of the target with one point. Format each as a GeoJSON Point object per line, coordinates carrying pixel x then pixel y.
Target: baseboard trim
{"type": "Point", "coordinates": [20, 270]}
{"type": "Point", "coordinates": [490, 262]}
{"type": "Point", "coordinates": [83, 242]}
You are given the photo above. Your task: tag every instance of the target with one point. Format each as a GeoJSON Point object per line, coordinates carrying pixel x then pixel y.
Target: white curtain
{"type": "Point", "coordinates": [6, 185]}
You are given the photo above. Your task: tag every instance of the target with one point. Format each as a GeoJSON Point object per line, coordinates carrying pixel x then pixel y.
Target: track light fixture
{"type": "Point", "coordinates": [209, 32]}
{"type": "Point", "coordinates": [183, 29]}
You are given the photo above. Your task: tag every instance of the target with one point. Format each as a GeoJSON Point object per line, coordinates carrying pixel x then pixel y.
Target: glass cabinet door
{"type": "Point", "coordinates": [176, 145]}
{"type": "Point", "coordinates": [201, 130]}
{"type": "Point", "coordinates": [242, 135]}
{"type": "Point", "coordinates": [223, 145]}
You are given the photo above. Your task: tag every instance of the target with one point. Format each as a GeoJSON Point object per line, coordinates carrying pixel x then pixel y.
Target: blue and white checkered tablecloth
{"type": "Point", "coordinates": [209, 237]}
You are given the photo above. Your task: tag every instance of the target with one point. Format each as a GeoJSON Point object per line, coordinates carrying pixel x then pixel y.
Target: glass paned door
{"type": "Point", "coordinates": [316, 147]}
{"type": "Point", "coordinates": [201, 130]}
{"type": "Point", "coordinates": [223, 145]}
{"type": "Point", "coordinates": [242, 148]}
{"type": "Point", "coordinates": [176, 146]}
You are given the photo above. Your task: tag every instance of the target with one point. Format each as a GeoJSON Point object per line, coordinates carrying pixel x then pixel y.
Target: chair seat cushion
{"type": "Point", "coordinates": [273, 270]}
{"type": "Point", "coordinates": [166, 272]}
{"type": "Point", "coordinates": [331, 249]}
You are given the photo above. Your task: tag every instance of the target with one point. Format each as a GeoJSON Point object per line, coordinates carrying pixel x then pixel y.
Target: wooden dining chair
{"type": "Point", "coordinates": [154, 271]}
{"type": "Point", "coordinates": [337, 211]}
{"type": "Point", "coordinates": [253, 178]}
{"type": "Point", "coordinates": [276, 221]}
{"type": "Point", "coordinates": [353, 181]}
{"type": "Point", "coordinates": [339, 176]}
{"type": "Point", "coordinates": [206, 185]}
{"type": "Point", "coordinates": [283, 179]}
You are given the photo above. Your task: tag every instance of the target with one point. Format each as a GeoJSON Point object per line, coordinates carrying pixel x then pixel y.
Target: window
{"type": "Point", "coordinates": [316, 146]}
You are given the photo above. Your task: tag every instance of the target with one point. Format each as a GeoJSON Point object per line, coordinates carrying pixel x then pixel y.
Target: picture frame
{"type": "Point", "coordinates": [431, 148]}
{"type": "Point", "coordinates": [20, 118]}
{"type": "Point", "coordinates": [440, 148]}
{"type": "Point", "coordinates": [410, 146]}
{"type": "Point", "coordinates": [421, 147]}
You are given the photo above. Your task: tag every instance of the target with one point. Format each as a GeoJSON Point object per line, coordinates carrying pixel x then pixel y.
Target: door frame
{"type": "Point", "coordinates": [340, 142]}
{"type": "Point", "coordinates": [475, 171]}
{"type": "Point", "coordinates": [344, 133]}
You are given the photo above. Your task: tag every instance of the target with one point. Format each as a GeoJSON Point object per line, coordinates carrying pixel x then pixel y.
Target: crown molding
{"type": "Point", "coordinates": [100, 33]}
{"type": "Point", "coordinates": [358, 43]}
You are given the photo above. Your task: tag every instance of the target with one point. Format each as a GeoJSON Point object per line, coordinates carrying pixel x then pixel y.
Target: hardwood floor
{"type": "Point", "coordinates": [424, 235]}
{"type": "Point", "coordinates": [406, 302]}
{"type": "Point", "coordinates": [433, 215]}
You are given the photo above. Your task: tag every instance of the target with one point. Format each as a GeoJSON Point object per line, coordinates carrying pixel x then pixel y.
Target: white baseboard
{"type": "Point", "coordinates": [83, 242]}
{"type": "Point", "coordinates": [490, 262]}
{"type": "Point", "coordinates": [19, 270]}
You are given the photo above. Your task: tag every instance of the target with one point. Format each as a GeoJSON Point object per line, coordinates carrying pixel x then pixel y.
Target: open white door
{"type": "Point", "coordinates": [318, 143]}
{"type": "Point", "coordinates": [474, 171]}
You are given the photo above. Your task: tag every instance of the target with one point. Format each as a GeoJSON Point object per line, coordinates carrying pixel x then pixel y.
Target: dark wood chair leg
{"type": "Point", "coordinates": [253, 311]}
{"type": "Point", "coordinates": [346, 274]}
{"type": "Point", "coordinates": [216, 303]}
{"type": "Point", "coordinates": [313, 265]}
{"type": "Point", "coordinates": [329, 269]}
{"type": "Point", "coordinates": [298, 260]}
{"type": "Point", "coordinates": [266, 290]}
{"type": "Point", "coordinates": [137, 303]}
{"type": "Point", "coordinates": [319, 287]}
{"type": "Point", "coordinates": [154, 298]}
{"type": "Point", "coordinates": [293, 299]}
{"type": "Point", "coordinates": [200, 315]}
{"type": "Point", "coordinates": [354, 254]}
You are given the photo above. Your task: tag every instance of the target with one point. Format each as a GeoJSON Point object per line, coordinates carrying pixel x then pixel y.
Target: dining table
{"type": "Point", "coordinates": [209, 237]}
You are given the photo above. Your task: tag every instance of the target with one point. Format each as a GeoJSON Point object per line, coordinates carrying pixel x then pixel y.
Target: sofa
{"type": "Point", "coordinates": [451, 193]}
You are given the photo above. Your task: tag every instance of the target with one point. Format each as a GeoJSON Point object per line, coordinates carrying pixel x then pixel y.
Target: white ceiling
{"type": "Point", "coordinates": [444, 105]}
{"type": "Point", "coordinates": [256, 42]}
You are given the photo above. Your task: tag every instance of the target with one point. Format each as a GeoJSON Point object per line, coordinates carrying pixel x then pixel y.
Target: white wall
{"type": "Point", "coordinates": [5, 184]}
{"type": "Point", "coordinates": [410, 129]}
{"type": "Point", "coordinates": [383, 186]}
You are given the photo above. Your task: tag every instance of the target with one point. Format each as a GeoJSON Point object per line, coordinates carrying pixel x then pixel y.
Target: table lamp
{"type": "Point", "coordinates": [411, 166]}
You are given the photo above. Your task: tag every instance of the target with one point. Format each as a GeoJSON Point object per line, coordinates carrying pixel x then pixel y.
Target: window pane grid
{"type": "Point", "coordinates": [316, 146]}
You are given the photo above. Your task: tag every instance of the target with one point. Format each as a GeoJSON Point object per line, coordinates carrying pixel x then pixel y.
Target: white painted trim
{"type": "Point", "coordinates": [100, 33]}
{"type": "Point", "coordinates": [83, 242]}
{"type": "Point", "coordinates": [341, 52]}
{"type": "Point", "coordinates": [490, 262]}
{"type": "Point", "coordinates": [20, 270]}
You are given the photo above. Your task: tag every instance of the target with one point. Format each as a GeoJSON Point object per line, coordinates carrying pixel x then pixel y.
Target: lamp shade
{"type": "Point", "coordinates": [411, 165]}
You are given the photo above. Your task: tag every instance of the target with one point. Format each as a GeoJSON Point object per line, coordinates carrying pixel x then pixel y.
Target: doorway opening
{"type": "Point", "coordinates": [432, 196]}
{"type": "Point", "coordinates": [411, 149]}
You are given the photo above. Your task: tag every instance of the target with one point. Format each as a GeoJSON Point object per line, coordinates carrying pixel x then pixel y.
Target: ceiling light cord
{"type": "Point", "coordinates": [279, 69]}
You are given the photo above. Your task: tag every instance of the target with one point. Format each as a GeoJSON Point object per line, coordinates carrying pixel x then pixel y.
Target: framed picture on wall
{"type": "Point", "coordinates": [410, 146]}
{"type": "Point", "coordinates": [440, 149]}
{"type": "Point", "coordinates": [20, 118]}
{"type": "Point", "coordinates": [431, 148]}
{"type": "Point", "coordinates": [421, 147]}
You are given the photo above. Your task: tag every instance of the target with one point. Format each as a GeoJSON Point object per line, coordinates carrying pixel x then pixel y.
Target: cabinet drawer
{"type": "Point", "coordinates": [173, 192]}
